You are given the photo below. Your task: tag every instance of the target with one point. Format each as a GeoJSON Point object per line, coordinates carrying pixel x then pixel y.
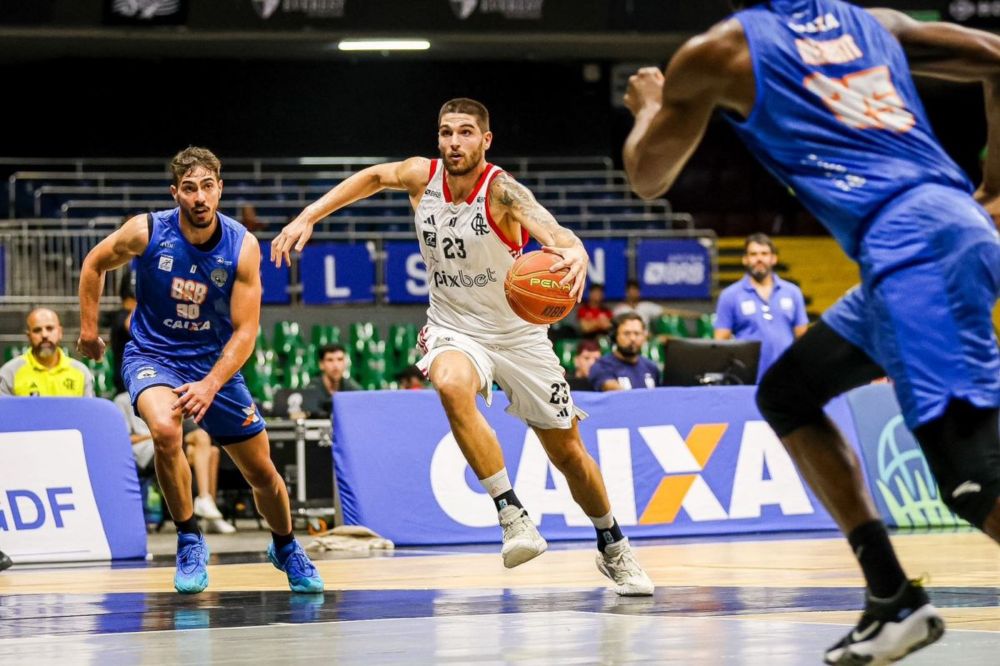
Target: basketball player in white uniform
{"type": "Point", "coordinates": [472, 220]}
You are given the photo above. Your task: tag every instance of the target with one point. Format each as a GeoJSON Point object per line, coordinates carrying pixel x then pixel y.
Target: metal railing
{"type": "Point", "coordinates": [41, 266]}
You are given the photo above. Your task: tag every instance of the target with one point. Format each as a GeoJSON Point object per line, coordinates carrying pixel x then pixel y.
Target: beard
{"type": "Point", "coordinates": [44, 350]}
{"type": "Point", "coordinates": [759, 273]}
{"type": "Point", "coordinates": [192, 217]}
{"type": "Point", "coordinates": [628, 351]}
{"type": "Point", "coordinates": [467, 165]}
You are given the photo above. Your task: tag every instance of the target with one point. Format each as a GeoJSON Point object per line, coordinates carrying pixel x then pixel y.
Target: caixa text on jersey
{"type": "Point", "coordinates": [186, 325]}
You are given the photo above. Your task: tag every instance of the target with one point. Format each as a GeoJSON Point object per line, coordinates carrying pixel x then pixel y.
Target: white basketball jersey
{"type": "Point", "coordinates": [467, 261]}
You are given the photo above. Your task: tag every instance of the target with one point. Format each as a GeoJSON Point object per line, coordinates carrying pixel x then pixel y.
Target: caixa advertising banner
{"type": "Point", "coordinates": [676, 461]}
{"type": "Point", "coordinates": [68, 485]}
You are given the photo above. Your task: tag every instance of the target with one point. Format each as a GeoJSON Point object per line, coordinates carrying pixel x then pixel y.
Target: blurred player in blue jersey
{"type": "Point", "coordinates": [198, 291]}
{"type": "Point", "coordinates": [821, 92]}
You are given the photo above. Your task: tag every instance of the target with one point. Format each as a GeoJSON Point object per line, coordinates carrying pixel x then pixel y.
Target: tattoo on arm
{"type": "Point", "coordinates": [519, 200]}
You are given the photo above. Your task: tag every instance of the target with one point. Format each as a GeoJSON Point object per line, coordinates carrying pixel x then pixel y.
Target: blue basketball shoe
{"type": "Point", "coordinates": [302, 575]}
{"type": "Point", "coordinates": [192, 563]}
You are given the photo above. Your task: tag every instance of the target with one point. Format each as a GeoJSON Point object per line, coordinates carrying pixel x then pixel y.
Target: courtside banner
{"type": "Point", "coordinates": [676, 461]}
{"type": "Point", "coordinates": [68, 485]}
{"type": "Point", "coordinates": [675, 268]}
{"type": "Point", "coordinates": [899, 477]}
{"type": "Point", "coordinates": [405, 273]}
{"type": "Point", "coordinates": [336, 273]}
{"type": "Point", "coordinates": [274, 281]}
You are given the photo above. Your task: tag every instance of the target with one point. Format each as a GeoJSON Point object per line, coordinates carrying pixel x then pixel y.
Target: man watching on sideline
{"type": "Point", "coordinates": [45, 370]}
{"type": "Point", "coordinates": [587, 353]}
{"type": "Point", "coordinates": [624, 368]}
{"type": "Point", "coordinates": [332, 365]}
{"type": "Point", "coordinates": [648, 310]}
{"type": "Point", "coordinates": [761, 306]}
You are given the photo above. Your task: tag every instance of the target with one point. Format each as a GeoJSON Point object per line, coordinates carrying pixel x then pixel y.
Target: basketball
{"type": "Point", "coordinates": [534, 293]}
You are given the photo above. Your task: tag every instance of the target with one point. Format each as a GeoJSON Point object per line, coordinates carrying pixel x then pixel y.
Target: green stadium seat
{"type": "Point", "coordinates": [287, 337]}
{"type": "Point", "coordinates": [705, 326]}
{"type": "Point", "coordinates": [324, 334]}
{"type": "Point", "coordinates": [565, 350]}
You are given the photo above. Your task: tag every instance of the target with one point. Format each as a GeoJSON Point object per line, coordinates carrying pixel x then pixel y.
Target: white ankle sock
{"type": "Point", "coordinates": [497, 484]}
{"type": "Point", "coordinates": [604, 522]}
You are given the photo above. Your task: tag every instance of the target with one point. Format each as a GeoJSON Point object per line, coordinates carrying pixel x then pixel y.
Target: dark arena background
{"type": "Point", "coordinates": [749, 567]}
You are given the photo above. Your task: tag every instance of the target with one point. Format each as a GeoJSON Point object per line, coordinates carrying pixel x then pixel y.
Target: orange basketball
{"type": "Point", "coordinates": [534, 293]}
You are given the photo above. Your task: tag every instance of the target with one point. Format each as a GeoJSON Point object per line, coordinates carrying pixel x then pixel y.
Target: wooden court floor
{"type": "Point", "coordinates": [725, 601]}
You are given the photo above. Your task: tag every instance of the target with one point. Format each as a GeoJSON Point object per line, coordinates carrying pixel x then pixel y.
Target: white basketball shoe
{"type": "Point", "coordinates": [618, 563]}
{"type": "Point", "coordinates": [521, 540]}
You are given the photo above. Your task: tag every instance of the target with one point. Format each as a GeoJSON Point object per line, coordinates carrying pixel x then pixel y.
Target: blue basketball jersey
{"type": "Point", "coordinates": [836, 117]}
{"type": "Point", "coordinates": [183, 293]}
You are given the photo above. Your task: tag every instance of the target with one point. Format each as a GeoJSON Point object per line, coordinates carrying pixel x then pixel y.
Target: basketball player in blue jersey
{"type": "Point", "coordinates": [198, 291]}
{"type": "Point", "coordinates": [821, 92]}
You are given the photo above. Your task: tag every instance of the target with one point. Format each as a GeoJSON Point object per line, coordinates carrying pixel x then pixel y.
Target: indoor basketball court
{"type": "Point", "coordinates": [779, 601]}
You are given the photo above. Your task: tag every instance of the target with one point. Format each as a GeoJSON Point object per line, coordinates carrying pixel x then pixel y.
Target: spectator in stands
{"type": "Point", "coordinates": [625, 368]}
{"type": "Point", "coordinates": [594, 316]}
{"type": "Point", "coordinates": [45, 370]}
{"type": "Point", "coordinates": [202, 456]}
{"type": "Point", "coordinates": [249, 219]}
{"type": "Point", "coordinates": [332, 364]}
{"type": "Point", "coordinates": [411, 377]}
{"type": "Point", "coordinates": [648, 310]}
{"type": "Point", "coordinates": [587, 353]}
{"type": "Point", "coordinates": [761, 306]}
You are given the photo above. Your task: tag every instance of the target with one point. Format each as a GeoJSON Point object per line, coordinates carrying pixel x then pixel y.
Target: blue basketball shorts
{"type": "Point", "coordinates": [930, 269]}
{"type": "Point", "coordinates": [232, 416]}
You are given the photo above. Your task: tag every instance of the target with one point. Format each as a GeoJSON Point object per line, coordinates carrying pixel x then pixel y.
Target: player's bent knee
{"type": "Point", "coordinates": [263, 477]}
{"type": "Point", "coordinates": [571, 456]}
{"type": "Point", "coordinates": [782, 400]}
{"type": "Point", "coordinates": [166, 434]}
{"type": "Point", "coordinates": [454, 393]}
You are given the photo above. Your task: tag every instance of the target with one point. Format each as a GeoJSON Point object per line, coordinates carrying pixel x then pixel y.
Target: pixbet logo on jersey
{"type": "Point", "coordinates": [686, 486]}
{"type": "Point", "coordinates": [463, 279]}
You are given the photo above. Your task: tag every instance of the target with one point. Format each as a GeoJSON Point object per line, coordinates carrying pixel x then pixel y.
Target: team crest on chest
{"type": "Point", "coordinates": [479, 225]}
{"type": "Point", "coordinates": [166, 263]}
{"type": "Point", "coordinates": [219, 277]}
{"type": "Point", "coordinates": [430, 238]}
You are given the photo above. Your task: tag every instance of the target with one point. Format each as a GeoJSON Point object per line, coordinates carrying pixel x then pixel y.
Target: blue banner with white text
{"type": "Point", "coordinates": [676, 461]}
{"type": "Point", "coordinates": [608, 266]}
{"type": "Point", "coordinates": [274, 281]}
{"type": "Point", "coordinates": [337, 273]}
{"type": "Point", "coordinates": [68, 484]}
{"type": "Point", "coordinates": [405, 273]}
{"type": "Point", "coordinates": [675, 268]}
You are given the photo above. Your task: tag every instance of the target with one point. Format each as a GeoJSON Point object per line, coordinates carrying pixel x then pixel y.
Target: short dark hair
{"type": "Point", "coordinates": [408, 372]}
{"type": "Point", "coordinates": [331, 348]}
{"type": "Point", "coordinates": [597, 285]}
{"type": "Point", "coordinates": [620, 319]}
{"type": "Point", "coordinates": [632, 283]}
{"type": "Point", "coordinates": [743, 4]}
{"type": "Point", "coordinates": [469, 106]}
{"type": "Point", "coordinates": [192, 157]}
{"type": "Point", "coordinates": [760, 239]}
{"type": "Point", "coordinates": [587, 345]}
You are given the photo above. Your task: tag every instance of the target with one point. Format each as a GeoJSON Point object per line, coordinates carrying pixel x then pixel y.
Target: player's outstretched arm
{"type": "Point", "coordinates": [512, 204]}
{"type": "Point", "coordinates": [953, 52]}
{"type": "Point", "coordinates": [129, 240]}
{"type": "Point", "coordinates": [244, 304]}
{"type": "Point", "coordinates": [411, 175]}
{"type": "Point", "coordinates": [672, 109]}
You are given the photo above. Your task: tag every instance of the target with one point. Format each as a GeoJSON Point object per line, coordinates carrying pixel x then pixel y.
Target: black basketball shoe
{"type": "Point", "coordinates": [889, 629]}
{"type": "Point", "coordinates": [5, 562]}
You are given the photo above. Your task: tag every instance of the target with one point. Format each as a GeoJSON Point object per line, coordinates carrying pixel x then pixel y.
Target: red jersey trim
{"type": "Point", "coordinates": [514, 247]}
{"type": "Point", "coordinates": [434, 168]}
{"type": "Point", "coordinates": [475, 190]}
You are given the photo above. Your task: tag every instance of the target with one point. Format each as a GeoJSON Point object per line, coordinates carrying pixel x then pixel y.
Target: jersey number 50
{"type": "Point", "coordinates": [863, 100]}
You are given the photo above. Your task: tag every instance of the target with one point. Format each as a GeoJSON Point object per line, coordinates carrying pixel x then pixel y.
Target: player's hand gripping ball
{"type": "Point", "coordinates": [534, 293]}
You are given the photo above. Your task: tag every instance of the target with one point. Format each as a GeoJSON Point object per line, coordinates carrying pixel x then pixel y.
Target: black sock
{"type": "Point", "coordinates": [608, 536]}
{"type": "Point", "coordinates": [871, 545]}
{"type": "Point", "coordinates": [189, 526]}
{"type": "Point", "coordinates": [506, 499]}
{"type": "Point", "coordinates": [280, 541]}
